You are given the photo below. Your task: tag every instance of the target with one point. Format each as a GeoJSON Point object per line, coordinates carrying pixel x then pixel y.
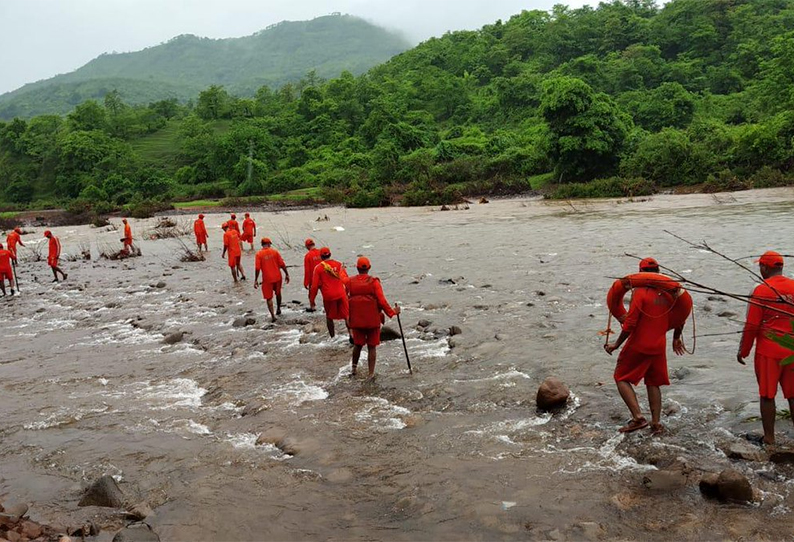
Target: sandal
{"type": "Point", "coordinates": [634, 425]}
{"type": "Point", "coordinates": [657, 429]}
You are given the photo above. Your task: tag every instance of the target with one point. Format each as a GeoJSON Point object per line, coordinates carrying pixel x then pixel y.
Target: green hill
{"type": "Point", "coordinates": [185, 65]}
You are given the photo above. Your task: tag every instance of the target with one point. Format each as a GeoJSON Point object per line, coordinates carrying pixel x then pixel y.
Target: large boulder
{"type": "Point", "coordinates": [730, 486]}
{"type": "Point", "coordinates": [744, 451]}
{"type": "Point", "coordinates": [104, 492]}
{"type": "Point", "coordinates": [552, 394]}
{"type": "Point", "coordinates": [136, 533]}
{"type": "Point", "coordinates": [389, 334]}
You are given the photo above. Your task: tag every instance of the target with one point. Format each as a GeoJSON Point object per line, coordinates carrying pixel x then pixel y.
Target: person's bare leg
{"type": "Point", "coordinates": [791, 408]}
{"type": "Point", "coordinates": [655, 402]}
{"type": "Point", "coordinates": [330, 324]}
{"type": "Point", "coordinates": [234, 273]}
{"type": "Point", "coordinates": [278, 303]}
{"type": "Point", "coordinates": [55, 274]}
{"type": "Point", "coordinates": [356, 356]}
{"type": "Point", "coordinates": [240, 269]}
{"type": "Point", "coordinates": [630, 398]}
{"type": "Point", "coordinates": [270, 308]}
{"type": "Point", "coordinates": [768, 413]}
{"type": "Point", "coordinates": [63, 275]}
{"type": "Point", "coordinates": [3, 286]}
{"type": "Point", "coordinates": [372, 357]}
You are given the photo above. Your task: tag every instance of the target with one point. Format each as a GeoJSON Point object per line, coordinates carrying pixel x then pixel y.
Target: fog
{"type": "Point", "coordinates": [42, 38]}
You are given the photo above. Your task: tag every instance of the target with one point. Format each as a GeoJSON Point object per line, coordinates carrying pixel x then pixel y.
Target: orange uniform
{"type": "Point", "coordinates": [329, 278]}
{"type": "Point", "coordinates": [233, 225]}
{"type": "Point", "coordinates": [5, 265]}
{"type": "Point", "coordinates": [366, 302]}
{"type": "Point", "coordinates": [54, 253]}
{"type": "Point", "coordinates": [270, 263]}
{"type": "Point", "coordinates": [127, 235]}
{"type": "Point", "coordinates": [645, 352]}
{"type": "Point", "coordinates": [12, 241]}
{"type": "Point", "coordinates": [760, 324]}
{"type": "Point", "coordinates": [248, 230]}
{"type": "Point", "coordinates": [201, 231]}
{"type": "Point", "coordinates": [231, 240]}
{"type": "Point", "coordinates": [310, 261]}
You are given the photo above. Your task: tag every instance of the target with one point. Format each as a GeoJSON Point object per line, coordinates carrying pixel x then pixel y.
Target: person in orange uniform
{"type": "Point", "coordinates": [5, 270]}
{"type": "Point", "coordinates": [329, 278]}
{"type": "Point", "coordinates": [14, 238]}
{"type": "Point", "coordinates": [200, 229]}
{"type": "Point", "coordinates": [367, 305]}
{"type": "Point", "coordinates": [249, 230]}
{"type": "Point", "coordinates": [127, 237]}
{"type": "Point", "coordinates": [270, 263]}
{"type": "Point", "coordinates": [231, 246]}
{"type": "Point", "coordinates": [645, 354]}
{"type": "Point", "coordinates": [53, 255]}
{"type": "Point", "coordinates": [233, 225]}
{"type": "Point", "coordinates": [770, 313]}
{"type": "Point", "coordinates": [310, 261]}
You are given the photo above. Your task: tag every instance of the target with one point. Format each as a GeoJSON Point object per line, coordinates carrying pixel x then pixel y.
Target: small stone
{"type": "Point", "coordinates": [664, 480]}
{"type": "Point", "coordinates": [160, 284]}
{"type": "Point", "coordinates": [744, 451]}
{"type": "Point", "coordinates": [31, 529]}
{"type": "Point", "coordinates": [19, 509]}
{"type": "Point", "coordinates": [389, 334]}
{"type": "Point", "coordinates": [540, 293]}
{"type": "Point", "coordinates": [715, 298]}
{"type": "Point", "coordinates": [552, 394]}
{"type": "Point", "coordinates": [452, 343]}
{"type": "Point", "coordinates": [455, 330]}
{"type": "Point", "coordinates": [727, 314]}
{"type": "Point", "coordinates": [707, 308]}
{"type": "Point", "coordinates": [733, 486]}
{"type": "Point", "coordinates": [244, 321]}
{"type": "Point", "coordinates": [139, 511]}
{"type": "Point", "coordinates": [103, 492]}
{"type": "Point", "coordinates": [681, 373]}
{"type": "Point", "coordinates": [672, 408]}
{"type": "Point", "coordinates": [424, 323]}
{"type": "Point", "coordinates": [174, 338]}
{"type": "Point", "coordinates": [13, 536]}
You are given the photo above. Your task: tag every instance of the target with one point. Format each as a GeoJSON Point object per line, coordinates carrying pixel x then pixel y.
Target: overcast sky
{"type": "Point", "coordinates": [42, 38]}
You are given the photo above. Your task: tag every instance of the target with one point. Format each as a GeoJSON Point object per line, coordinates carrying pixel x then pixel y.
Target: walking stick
{"type": "Point", "coordinates": [16, 277]}
{"type": "Point", "coordinates": [405, 348]}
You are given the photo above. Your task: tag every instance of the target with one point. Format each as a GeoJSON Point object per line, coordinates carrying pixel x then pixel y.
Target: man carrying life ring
{"type": "Point", "coordinates": [644, 355]}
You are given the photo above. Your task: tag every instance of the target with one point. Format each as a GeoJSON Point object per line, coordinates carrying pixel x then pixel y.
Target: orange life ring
{"type": "Point", "coordinates": [682, 301]}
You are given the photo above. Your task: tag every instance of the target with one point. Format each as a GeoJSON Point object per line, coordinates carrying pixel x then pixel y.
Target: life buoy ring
{"type": "Point", "coordinates": [682, 301]}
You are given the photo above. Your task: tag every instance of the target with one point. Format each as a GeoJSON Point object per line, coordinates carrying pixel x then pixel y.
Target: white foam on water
{"type": "Point", "coordinates": [116, 333]}
{"type": "Point", "coordinates": [298, 392]}
{"type": "Point", "coordinates": [103, 381]}
{"type": "Point", "coordinates": [339, 228]}
{"type": "Point", "coordinates": [179, 392]}
{"type": "Point", "coordinates": [247, 441]}
{"type": "Point", "coordinates": [428, 349]}
{"type": "Point", "coordinates": [512, 426]}
{"type": "Point", "coordinates": [607, 458]}
{"type": "Point", "coordinates": [382, 413]}
{"type": "Point", "coordinates": [511, 373]}
{"type": "Point", "coordinates": [63, 416]}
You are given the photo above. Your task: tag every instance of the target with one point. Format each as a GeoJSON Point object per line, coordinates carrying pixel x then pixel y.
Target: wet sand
{"type": "Point", "coordinates": [456, 451]}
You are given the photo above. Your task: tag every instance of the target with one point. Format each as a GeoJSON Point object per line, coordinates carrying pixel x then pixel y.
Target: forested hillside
{"type": "Point", "coordinates": [187, 64]}
{"type": "Point", "coordinates": [625, 99]}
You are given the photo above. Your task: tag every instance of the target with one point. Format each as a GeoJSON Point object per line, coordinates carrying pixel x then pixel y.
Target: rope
{"type": "Point", "coordinates": [694, 335]}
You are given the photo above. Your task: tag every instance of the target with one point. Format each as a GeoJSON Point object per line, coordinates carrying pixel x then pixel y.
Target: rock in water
{"type": "Point", "coordinates": [424, 323]}
{"type": "Point", "coordinates": [19, 510]}
{"type": "Point", "coordinates": [136, 533]}
{"type": "Point", "coordinates": [782, 456]}
{"type": "Point", "coordinates": [160, 284]}
{"type": "Point", "coordinates": [139, 511]}
{"type": "Point", "coordinates": [388, 334]}
{"type": "Point", "coordinates": [455, 330]}
{"type": "Point", "coordinates": [709, 486]}
{"type": "Point", "coordinates": [243, 321]}
{"type": "Point", "coordinates": [104, 492]}
{"type": "Point", "coordinates": [733, 486]}
{"type": "Point", "coordinates": [552, 394]}
{"type": "Point", "coordinates": [173, 338]}
{"type": "Point", "coordinates": [744, 451]}
{"type": "Point", "coordinates": [664, 480]}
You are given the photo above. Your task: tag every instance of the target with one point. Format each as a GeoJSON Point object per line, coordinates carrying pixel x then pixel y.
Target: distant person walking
{"type": "Point", "coordinates": [231, 246]}
{"type": "Point", "coordinates": [232, 223]}
{"type": "Point", "coordinates": [54, 255]}
{"type": "Point", "coordinates": [310, 261]}
{"type": "Point", "coordinates": [127, 240]}
{"type": "Point", "coordinates": [249, 230]}
{"type": "Point", "coordinates": [770, 314]}
{"type": "Point", "coordinates": [6, 272]}
{"type": "Point", "coordinates": [645, 354]}
{"type": "Point", "coordinates": [367, 305]}
{"type": "Point", "coordinates": [329, 277]}
{"type": "Point", "coordinates": [270, 263]}
{"type": "Point", "coordinates": [14, 238]}
{"type": "Point", "coordinates": [200, 229]}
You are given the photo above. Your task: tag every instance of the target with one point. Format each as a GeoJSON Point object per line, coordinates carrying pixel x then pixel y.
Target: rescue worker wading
{"type": "Point", "coordinates": [367, 305]}
{"type": "Point", "coordinates": [329, 278]}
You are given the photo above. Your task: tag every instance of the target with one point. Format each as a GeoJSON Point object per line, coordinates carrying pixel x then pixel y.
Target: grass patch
{"type": "Point", "coordinates": [7, 215]}
{"type": "Point", "coordinates": [536, 182]}
{"type": "Point", "coordinates": [196, 203]}
{"type": "Point", "coordinates": [314, 192]}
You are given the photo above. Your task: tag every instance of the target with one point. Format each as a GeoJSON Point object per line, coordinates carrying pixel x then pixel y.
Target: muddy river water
{"type": "Point", "coordinates": [456, 451]}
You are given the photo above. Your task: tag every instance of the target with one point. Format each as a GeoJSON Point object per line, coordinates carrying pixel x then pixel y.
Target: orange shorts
{"type": "Point", "coordinates": [269, 288]}
{"type": "Point", "coordinates": [770, 373]}
{"type": "Point", "coordinates": [247, 237]}
{"type": "Point", "coordinates": [369, 336]}
{"type": "Point", "coordinates": [634, 366]}
{"type": "Point", "coordinates": [52, 262]}
{"type": "Point", "coordinates": [336, 309]}
{"type": "Point", "coordinates": [201, 239]}
{"type": "Point", "coordinates": [234, 261]}
{"type": "Point", "coordinates": [6, 274]}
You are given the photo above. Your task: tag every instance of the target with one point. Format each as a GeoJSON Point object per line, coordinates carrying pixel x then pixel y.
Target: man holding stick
{"type": "Point", "coordinates": [770, 313]}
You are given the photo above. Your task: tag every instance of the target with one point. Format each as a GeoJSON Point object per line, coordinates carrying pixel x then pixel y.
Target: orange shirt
{"type": "Point", "coordinates": [231, 240]}
{"type": "Point", "coordinates": [762, 321]}
{"type": "Point", "coordinates": [127, 233]}
{"type": "Point", "coordinates": [647, 320]}
{"type": "Point", "coordinates": [200, 229]}
{"type": "Point", "coordinates": [233, 225]}
{"type": "Point", "coordinates": [12, 240]}
{"type": "Point", "coordinates": [270, 263]}
{"type": "Point", "coordinates": [248, 226]}
{"type": "Point", "coordinates": [329, 277]}
{"type": "Point", "coordinates": [366, 302]}
{"type": "Point", "coordinates": [5, 260]}
{"type": "Point", "coordinates": [310, 261]}
{"type": "Point", "coordinates": [54, 248]}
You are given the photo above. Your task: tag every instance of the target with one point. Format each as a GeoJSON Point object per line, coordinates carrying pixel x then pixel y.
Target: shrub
{"type": "Point", "coordinates": [361, 198]}
{"type": "Point", "coordinates": [614, 187]}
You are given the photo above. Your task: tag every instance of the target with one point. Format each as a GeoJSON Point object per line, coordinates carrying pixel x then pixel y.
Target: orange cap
{"type": "Point", "coordinates": [363, 263]}
{"type": "Point", "coordinates": [325, 251]}
{"type": "Point", "coordinates": [201, 216]}
{"type": "Point", "coordinates": [124, 220]}
{"type": "Point", "coordinates": [266, 241]}
{"type": "Point", "coordinates": [234, 216]}
{"type": "Point", "coordinates": [309, 242]}
{"type": "Point", "coordinates": [648, 263]}
{"type": "Point", "coordinates": [18, 229]}
{"type": "Point", "coordinates": [771, 258]}
{"type": "Point", "coordinates": [48, 233]}
{"type": "Point", "coordinates": [247, 215]}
